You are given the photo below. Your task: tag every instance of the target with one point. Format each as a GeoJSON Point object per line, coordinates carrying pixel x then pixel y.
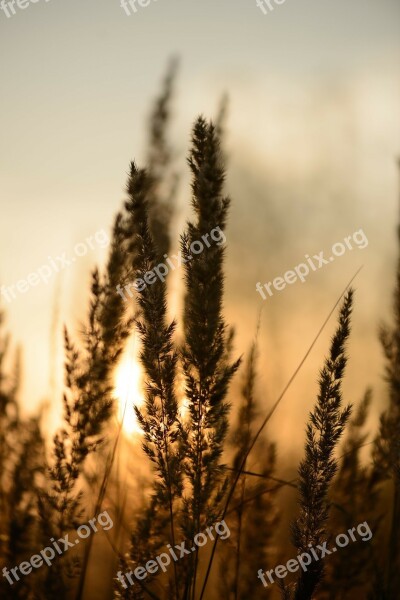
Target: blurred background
{"type": "Point", "coordinates": [312, 139]}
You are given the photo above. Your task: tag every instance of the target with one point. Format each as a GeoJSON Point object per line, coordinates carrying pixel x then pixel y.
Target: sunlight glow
{"type": "Point", "coordinates": [128, 388]}
{"type": "Point", "coordinates": [129, 374]}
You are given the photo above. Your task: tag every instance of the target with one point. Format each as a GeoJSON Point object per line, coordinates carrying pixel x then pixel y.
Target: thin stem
{"type": "Point", "coordinates": [196, 495]}
{"type": "Point", "coordinates": [167, 465]}
{"type": "Point", "coordinates": [99, 502]}
{"type": "Point", "coordinates": [239, 535]}
{"type": "Point", "coordinates": [264, 423]}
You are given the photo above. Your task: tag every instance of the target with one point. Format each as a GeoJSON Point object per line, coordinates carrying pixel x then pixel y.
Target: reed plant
{"type": "Point", "coordinates": [205, 453]}
{"type": "Point", "coordinates": [325, 427]}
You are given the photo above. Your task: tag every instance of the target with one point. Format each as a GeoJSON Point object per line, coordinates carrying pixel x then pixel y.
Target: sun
{"type": "Point", "coordinates": [128, 387]}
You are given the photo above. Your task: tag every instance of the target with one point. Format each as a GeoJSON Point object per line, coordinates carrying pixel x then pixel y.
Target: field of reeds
{"type": "Point", "coordinates": [202, 455]}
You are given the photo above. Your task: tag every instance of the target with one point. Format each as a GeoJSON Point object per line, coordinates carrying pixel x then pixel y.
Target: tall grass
{"type": "Point", "coordinates": [205, 454]}
{"type": "Point", "coordinates": [326, 425]}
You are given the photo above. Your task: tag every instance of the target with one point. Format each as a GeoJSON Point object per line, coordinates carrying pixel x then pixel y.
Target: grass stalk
{"type": "Point", "coordinates": [264, 423]}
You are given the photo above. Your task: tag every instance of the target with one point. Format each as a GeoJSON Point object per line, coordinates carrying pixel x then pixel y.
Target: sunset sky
{"type": "Point", "coordinates": [313, 133]}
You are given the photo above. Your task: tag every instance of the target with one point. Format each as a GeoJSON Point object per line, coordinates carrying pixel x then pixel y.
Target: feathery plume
{"type": "Point", "coordinates": [324, 429]}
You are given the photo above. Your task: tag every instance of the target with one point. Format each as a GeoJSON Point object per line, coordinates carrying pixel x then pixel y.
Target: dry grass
{"type": "Point", "coordinates": [210, 462]}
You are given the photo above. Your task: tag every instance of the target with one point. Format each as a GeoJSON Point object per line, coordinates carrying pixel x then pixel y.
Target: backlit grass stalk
{"type": "Point", "coordinates": [160, 155]}
{"type": "Point", "coordinates": [324, 429]}
{"type": "Point", "coordinates": [88, 401]}
{"type": "Point", "coordinates": [356, 496]}
{"type": "Point", "coordinates": [206, 371]}
{"type": "Point", "coordinates": [159, 417]}
{"type": "Point", "coordinates": [262, 427]}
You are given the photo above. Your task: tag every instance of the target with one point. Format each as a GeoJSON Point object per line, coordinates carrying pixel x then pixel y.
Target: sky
{"type": "Point", "coordinates": [312, 138]}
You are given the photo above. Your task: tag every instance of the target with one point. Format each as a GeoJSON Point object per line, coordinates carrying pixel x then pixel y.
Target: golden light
{"type": "Point", "coordinates": [129, 374]}
{"type": "Point", "coordinates": [128, 387]}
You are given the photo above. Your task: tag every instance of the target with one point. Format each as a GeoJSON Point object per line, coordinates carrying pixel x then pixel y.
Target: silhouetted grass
{"type": "Point", "coordinates": [205, 453]}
